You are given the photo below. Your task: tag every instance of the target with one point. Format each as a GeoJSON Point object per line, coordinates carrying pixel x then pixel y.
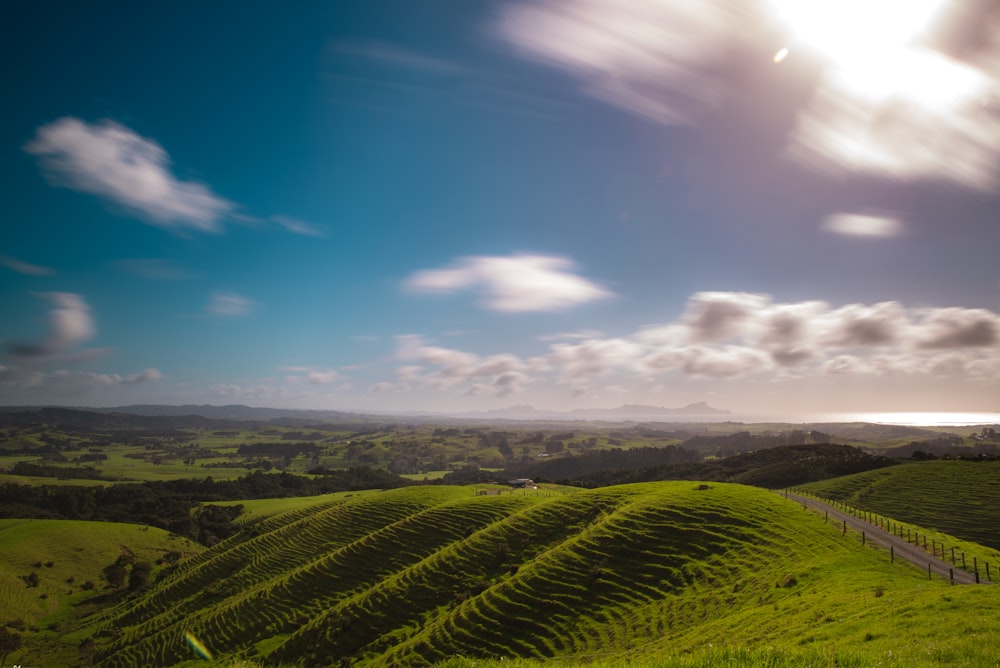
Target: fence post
{"type": "Point", "coordinates": [862, 537]}
{"type": "Point", "coordinates": [951, 575]}
{"type": "Point", "coordinates": [977, 577]}
{"type": "Point", "coordinates": [928, 570]}
{"type": "Point", "coordinates": [826, 516]}
{"type": "Point", "coordinates": [844, 532]}
{"type": "Point", "coordinates": [892, 554]}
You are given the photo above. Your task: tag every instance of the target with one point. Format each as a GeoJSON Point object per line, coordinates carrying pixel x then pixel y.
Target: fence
{"type": "Point", "coordinates": [911, 535]}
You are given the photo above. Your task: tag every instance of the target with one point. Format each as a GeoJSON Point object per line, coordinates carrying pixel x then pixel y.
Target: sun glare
{"type": "Point", "coordinates": [854, 31]}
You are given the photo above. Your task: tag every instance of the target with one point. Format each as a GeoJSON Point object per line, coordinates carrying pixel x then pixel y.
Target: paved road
{"type": "Point", "coordinates": [902, 549]}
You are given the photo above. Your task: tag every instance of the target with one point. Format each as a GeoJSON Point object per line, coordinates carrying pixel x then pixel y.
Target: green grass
{"type": "Point", "coordinates": [953, 497]}
{"type": "Point", "coordinates": [255, 510]}
{"type": "Point", "coordinates": [65, 554]}
{"type": "Point", "coordinates": [635, 575]}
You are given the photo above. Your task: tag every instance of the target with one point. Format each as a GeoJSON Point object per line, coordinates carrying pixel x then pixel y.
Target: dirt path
{"type": "Point", "coordinates": [902, 549]}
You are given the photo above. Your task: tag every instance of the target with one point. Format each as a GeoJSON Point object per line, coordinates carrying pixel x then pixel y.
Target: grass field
{"type": "Point", "coordinates": [661, 573]}
{"type": "Point", "coordinates": [255, 510]}
{"type": "Point", "coordinates": [65, 555]}
{"type": "Point", "coordinates": [954, 497]}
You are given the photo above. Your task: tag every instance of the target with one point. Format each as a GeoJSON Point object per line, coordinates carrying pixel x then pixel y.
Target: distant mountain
{"type": "Point", "coordinates": [624, 412]}
{"type": "Point", "coordinates": [201, 415]}
{"type": "Point", "coordinates": [629, 411]}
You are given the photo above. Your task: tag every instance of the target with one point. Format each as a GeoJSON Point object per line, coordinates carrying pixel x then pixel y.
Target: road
{"type": "Point", "coordinates": [902, 549]}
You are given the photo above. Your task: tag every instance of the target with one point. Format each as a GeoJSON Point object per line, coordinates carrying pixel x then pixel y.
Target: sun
{"type": "Point", "coordinates": [852, 32]}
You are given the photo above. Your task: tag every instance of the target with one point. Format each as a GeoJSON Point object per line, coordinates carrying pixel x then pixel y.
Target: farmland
{"type": "Point", "coordinates": [390, 543]}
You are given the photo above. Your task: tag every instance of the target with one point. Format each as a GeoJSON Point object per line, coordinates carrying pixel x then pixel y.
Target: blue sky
{"type": "Point", "coordinates": [451, 206]}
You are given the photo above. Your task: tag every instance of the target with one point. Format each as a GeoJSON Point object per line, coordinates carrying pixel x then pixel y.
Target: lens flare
{"type": "Point", "coordinates": [197, 646]}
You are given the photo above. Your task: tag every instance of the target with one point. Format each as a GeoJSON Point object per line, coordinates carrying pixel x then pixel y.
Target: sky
{"type": "Point", "coordinates": [773, 206]}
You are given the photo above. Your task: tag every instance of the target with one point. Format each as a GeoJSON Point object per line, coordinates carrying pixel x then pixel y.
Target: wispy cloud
{"type": "Point", "coordinates": [312, 374]}
{"type": "Point", "coordinates": [296, 226]}
{"type": "Point", "coordinates": [862, 225]}
{"type": "Point", "coordinates": [133, 172]}
{"type": "Point", "coordinates": [400, 57]}
{"type": "Point", "coordinates": [155, 269]}
{"type": "Point", "coordinates": [515, 283]}
{"type": "Point", "coordinates": [229, 304]}
{"type": "Point", "coordinates": [113, 162]}
{"type": "Point", "coordinates": [22, 267]}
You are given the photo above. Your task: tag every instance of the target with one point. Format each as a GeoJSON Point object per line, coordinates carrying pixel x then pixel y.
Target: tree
{"type": "Point", "coordinates": [10, 641]}
{"type": "Point", "coordinates": [139, 577]}
{"type": "Point", "coordinates": [115, 575]}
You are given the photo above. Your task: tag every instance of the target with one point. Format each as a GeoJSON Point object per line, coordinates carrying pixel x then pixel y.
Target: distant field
{"type": "Point", "coordinates": [955, 497]}
{"type": "Point", "coordinates": [646, 574]}
{"type": "Point", "coordinates": [37, 480]}
{"type": "Point", "coordinates": [257, 509]}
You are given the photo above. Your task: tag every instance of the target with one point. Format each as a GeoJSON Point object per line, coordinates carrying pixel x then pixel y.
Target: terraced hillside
{"type": "Point", "coordinates": [415, 576]}
{"type": "Point", "coordinates": [961, 498]}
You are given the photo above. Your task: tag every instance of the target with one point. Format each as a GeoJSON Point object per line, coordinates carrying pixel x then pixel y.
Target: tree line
{"type": "Point", "coordinates": [176, 505]}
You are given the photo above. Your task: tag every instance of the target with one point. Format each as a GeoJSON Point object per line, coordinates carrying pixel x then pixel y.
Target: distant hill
{"type": "Point", "coordinates": [699, 410]}
{"type": "Point", "coordinates": [774, 467]}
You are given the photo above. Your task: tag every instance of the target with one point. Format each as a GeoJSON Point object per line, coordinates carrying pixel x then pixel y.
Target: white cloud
{"type": "Point", "coordinates": [450, 368]}
{"type": "Point", "coordinates": [229, 305]}
{"type": "Point", "coordinates": [884, 103]}
{"type": "Point", "coordinates": [862, 225]}
{"type": "Point", "coordinates": [24, 267]}
{"type": "Point", "coordinates": [89, 378]}
{"type": "Point", "coordinates": [728, 335]}
{"type": "Point", "coordinates": [113, 162]}
{"type": "Point", "coordinates": [512, 284]}
{"type": "Point", "coordinates": [70, 323]}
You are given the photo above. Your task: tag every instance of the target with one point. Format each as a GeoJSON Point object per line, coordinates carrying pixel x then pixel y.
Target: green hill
{"type": "Point", "coordinates": [50, 568]}
{"type": "Point", "coordinates": [961, 498]}
{"type": "Point", "coordinates": [650, 573]}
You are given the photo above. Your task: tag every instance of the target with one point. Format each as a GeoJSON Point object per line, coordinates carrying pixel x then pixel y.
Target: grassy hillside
{"type": "Point", "coordinates": [67, 558]}
{"type": "Point", "coordinates": [960, 498]}
{"type": "Point", "coordinates": [654, 572]}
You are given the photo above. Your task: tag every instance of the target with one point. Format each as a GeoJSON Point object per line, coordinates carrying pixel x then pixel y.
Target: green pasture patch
{"type": "Point", "coordinates": [255, 510]}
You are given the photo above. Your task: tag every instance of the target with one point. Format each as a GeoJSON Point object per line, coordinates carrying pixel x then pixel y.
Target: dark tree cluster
{"type": "Point", "coordinates": [174, 505]}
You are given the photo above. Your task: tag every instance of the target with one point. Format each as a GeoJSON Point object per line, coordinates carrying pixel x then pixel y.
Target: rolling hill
{"type": "Point", "coordinates": [665, 571]}
{"type": "Point", "coordinates": [961, 498]}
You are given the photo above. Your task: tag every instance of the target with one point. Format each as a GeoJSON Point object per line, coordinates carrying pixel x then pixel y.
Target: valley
{"type": "Point", "coordinates": [635, 544]}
